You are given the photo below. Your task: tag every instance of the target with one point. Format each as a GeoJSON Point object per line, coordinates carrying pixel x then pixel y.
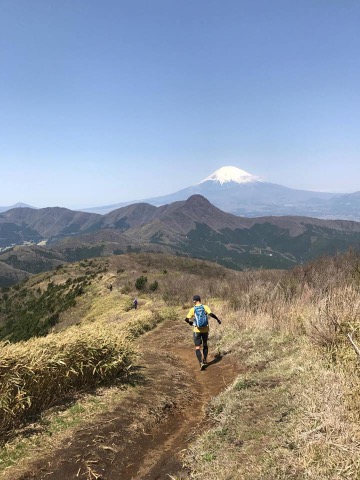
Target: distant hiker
{"type": "Point", "coordinates": [110, 287]}
{"type": "Point", "coordinates": [200, 323]}
{"type": "Point", "coordinates": [135, 303]}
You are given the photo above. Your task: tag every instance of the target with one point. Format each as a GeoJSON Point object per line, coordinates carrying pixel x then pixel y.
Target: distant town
{"type": "Point", "coordinates": [23, 244]}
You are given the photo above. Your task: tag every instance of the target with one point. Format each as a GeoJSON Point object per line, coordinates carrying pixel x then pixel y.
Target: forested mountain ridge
{"type": "Point", "coordinates": [193, 227]}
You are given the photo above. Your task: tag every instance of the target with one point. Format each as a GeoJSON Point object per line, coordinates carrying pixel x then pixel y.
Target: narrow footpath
{"type": "Point", "coordinates": [144, 437]}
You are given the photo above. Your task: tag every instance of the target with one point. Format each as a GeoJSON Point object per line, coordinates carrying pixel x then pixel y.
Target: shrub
{"type": "Point", "coordinates": [154, 286]}
{"type": "Point", "coordinates": [140, 283]}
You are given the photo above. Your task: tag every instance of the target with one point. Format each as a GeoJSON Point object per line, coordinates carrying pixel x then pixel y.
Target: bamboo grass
{"type": "Point", "coordinates": [39, 373]}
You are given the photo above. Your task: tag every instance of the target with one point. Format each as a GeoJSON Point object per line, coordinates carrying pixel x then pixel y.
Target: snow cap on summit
{"type": "Point", "coordinates": [231, 174]}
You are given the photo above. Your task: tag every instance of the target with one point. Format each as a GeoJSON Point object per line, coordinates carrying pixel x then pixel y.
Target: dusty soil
{"type": "Point", "coordinates": [144, 436]}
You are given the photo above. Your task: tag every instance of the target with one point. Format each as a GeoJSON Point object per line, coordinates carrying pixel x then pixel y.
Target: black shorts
{"type": "Point", "coordinates": [200, 338]}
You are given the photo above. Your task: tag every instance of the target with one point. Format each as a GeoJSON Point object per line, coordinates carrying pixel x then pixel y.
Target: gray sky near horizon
{"type": "Point", "coordinates": [103, 102]}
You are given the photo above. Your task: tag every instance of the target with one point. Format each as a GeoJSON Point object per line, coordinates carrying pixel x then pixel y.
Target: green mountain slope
{"type": "Point", "coordinates": [192, 228]}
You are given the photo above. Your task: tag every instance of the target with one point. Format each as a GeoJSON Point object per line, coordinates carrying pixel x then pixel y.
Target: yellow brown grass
{"type": "Point", "coordinates": [316, 433]}
{"type": "Point", "coordinates": [288, 325]}
{"type": "Point", "coordinates": [43, 371]}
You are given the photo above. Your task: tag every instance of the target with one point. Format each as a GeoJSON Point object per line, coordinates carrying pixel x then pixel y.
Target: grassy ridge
{"type": "Point", "coordinates": [294, 414]}
{"type": "Point", "coordinates": [94, 333]}
{"type": "Point", "coordinates": [91, 345]}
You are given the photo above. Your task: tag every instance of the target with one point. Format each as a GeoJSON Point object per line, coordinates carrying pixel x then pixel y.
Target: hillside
{"type": "Point", "coordinates": [43, 223]}
{"type": "Point", "coordinates": [10, 276]}
{"type": "Point", "coordinates": [42, 303]}
{"type": "Point", "coordinates": [277, 400]}
{"type": "Point", "coordinates": [192, 228]}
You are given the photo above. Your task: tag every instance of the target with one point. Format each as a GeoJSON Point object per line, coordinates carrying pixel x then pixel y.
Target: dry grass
{"type": "Point", "coordinates": [325, 428]}
{"type": "Point", "coordinates": [55, 423]}
{"type": "Point", "coordinates": [43, 371]}
{"type": "Point", "coordinates": [247, 417]}
{"type": "Point", "coordinates": [292, 330]}
{"type": "Point", "coordinates": [93, 341]}
{"type": "Point", "coordinates": [294, 414]}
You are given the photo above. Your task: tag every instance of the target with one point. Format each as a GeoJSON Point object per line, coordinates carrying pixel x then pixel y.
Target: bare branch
{"type": "Point", "coordinates": [356, 348]}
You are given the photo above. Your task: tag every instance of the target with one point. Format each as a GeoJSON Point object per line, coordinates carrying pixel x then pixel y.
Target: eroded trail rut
{"type": "Point", "coordinates": [144, 436]}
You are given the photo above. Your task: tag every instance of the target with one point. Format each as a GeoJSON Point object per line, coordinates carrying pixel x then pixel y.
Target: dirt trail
{"type": "Point", "coordinates": [142, 439]}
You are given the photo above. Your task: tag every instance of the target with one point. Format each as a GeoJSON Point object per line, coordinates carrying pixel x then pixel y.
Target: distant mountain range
{"type": "Point", "coordinates": [16, 205]}
{"type": "Point", "coordinates": [193, 227]}
{"type": "Point", "coordinates": [235, 191]}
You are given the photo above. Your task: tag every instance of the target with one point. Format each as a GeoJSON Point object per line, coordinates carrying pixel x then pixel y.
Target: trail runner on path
{"type": "Point", "coordinates": [200, 323]}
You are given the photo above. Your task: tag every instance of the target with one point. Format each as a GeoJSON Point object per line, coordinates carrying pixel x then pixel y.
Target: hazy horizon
{"type": "Point", "coordinates": [130, 199]}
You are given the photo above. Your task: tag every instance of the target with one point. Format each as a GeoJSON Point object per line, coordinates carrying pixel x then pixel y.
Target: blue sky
{"type": "Point", "coordinates": [113, 100]}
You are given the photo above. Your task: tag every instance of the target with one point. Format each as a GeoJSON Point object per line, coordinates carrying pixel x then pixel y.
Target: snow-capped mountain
{"type": "Point", "coordinates": [231, 174]}
{"type": "Point", "coordinates": [236, 191]}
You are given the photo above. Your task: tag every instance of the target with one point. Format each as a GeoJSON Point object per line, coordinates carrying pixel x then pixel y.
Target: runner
{"type": "Point", "coordinates": [200, 315]}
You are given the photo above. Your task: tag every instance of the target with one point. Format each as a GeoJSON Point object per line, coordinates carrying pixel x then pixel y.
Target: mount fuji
{"type": "Point", "coordinates": [239, 192]}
